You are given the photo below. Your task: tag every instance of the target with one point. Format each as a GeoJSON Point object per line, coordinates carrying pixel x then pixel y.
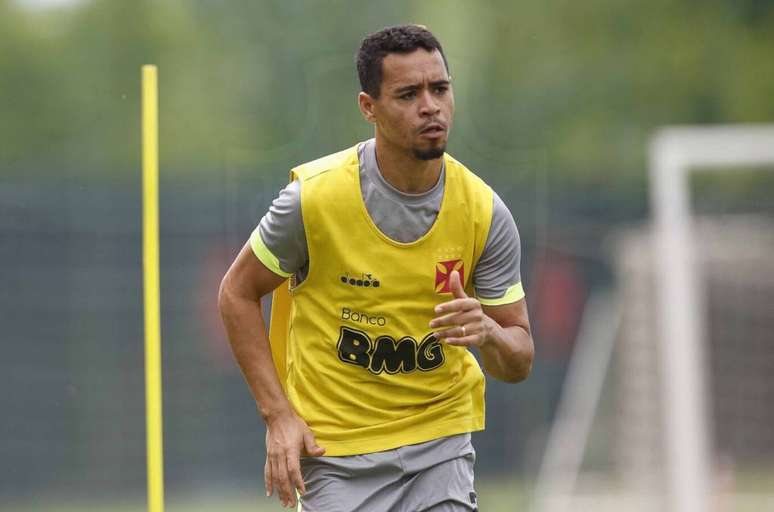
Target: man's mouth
{"type": "Point", "coordinates": [433, 129]}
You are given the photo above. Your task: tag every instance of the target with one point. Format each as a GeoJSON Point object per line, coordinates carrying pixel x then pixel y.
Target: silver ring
{"type": "Point", "coordinates": [463, 331]}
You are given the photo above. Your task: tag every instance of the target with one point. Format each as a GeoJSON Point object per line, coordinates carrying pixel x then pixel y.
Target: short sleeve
{"type": "Point", "coordinates": [497, 276]}
{"type": "Point", "coordinates": [279, 240]}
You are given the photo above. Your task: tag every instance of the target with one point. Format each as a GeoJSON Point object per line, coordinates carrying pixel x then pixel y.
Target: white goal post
{"type": "Point", "coordinates": [676, 153]}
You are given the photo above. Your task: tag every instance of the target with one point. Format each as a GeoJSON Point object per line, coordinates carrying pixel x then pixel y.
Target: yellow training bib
{"type": "Point", "coordinates": [352, 344]}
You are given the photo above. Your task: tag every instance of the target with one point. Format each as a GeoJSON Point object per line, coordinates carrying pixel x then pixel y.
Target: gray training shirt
{"type": "Point", "coordinates": [402, 217]}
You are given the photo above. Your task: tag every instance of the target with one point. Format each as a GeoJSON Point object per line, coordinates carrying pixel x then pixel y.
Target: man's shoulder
{"type": "Point", "coordinates": [344, 158]}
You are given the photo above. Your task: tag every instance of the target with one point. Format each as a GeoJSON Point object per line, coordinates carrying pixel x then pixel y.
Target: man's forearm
{"type": "Point", "coordinates": [246, 330]}
{"type": "Point", "coordinates": [287, 435]}
{"type": "Point", "coordinates": [507, 352]}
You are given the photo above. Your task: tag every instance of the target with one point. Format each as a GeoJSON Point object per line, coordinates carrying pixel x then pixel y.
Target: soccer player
{"type": "Point", "coordinates": [401, 261]}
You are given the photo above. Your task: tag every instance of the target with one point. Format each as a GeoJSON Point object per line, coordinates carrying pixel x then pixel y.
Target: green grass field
{"type": "Point", "coordinates": [494, 496]}
{"type": "Point", "coordinates": [752, 493]}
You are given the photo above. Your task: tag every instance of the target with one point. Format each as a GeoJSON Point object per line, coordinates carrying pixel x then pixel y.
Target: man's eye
{"type": "Point", "coordinates": [441, 89]}
{"type": "Point", "coordinates": [407, 95]}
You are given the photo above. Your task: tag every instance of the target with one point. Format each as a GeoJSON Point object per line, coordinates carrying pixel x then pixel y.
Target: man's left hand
{"type": "Point", "coordinates": [461, 321]}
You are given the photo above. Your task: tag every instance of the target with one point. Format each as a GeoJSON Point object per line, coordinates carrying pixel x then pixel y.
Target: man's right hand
{"type": "Point", "coordinates": [287, 438]}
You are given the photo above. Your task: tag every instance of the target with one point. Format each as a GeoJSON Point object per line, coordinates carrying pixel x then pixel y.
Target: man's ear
{"type": "Point", "coordinates": [366, 104]}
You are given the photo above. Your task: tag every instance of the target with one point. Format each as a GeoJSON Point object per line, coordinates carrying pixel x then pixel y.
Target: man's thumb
{"type": "Point", "coordinates": [311, 445]}
{"type": "Point", "coordinates": [456, 285]}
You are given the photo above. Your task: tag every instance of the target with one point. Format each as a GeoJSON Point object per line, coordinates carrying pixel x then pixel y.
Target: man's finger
{"type": "Point", "coordinates": [294, 471]}
{"type": "Point", "coordinates": [280, 473]}
{"type": "Point", "coordinates": [267, 477]}
{"type": "Point", "coordinates": [456, 319]}
{"type": "Point", "coordinates": [452, 332]}
{"type": "Point", "coordinates": [311, 447]}
{"type": "Point", "coordinates": [456, 285]}
{"type": "Point", "coordinates": [285, 485]}
{"type": "Point", "coordinates": [466, 341]}
{"type": "Point", "coordinates": [450, 319]}
{"type": "Point", "coordinates": [456, 306]}
{"type": "Point", "coordinates": [274, 471]}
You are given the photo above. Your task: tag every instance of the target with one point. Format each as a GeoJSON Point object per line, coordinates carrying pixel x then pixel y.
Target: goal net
{"type": "Point", "coordinates": [687, 422]}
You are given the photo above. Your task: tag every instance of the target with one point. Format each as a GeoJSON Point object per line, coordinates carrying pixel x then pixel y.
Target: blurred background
{"type": "Point", "coordinates": [556, 104]}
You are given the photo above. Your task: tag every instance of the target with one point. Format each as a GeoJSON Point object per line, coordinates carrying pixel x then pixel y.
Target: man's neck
{"type": "Point", "coordinates": [406, 172]}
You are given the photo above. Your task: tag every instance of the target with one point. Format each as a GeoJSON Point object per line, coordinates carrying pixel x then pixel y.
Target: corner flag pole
{"type": "Point", "coordinates": [150, 260]}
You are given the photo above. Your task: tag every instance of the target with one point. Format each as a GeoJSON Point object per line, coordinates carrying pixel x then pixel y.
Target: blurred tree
{"type": "Point", "coordinates": [576, 88]}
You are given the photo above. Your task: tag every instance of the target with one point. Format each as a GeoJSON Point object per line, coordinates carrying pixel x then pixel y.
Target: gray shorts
{"type": "Point", "coordinates": [436, 476]}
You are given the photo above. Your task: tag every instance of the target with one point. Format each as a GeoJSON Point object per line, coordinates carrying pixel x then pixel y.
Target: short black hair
{"type": "Point", "coordinates": [400, 39]}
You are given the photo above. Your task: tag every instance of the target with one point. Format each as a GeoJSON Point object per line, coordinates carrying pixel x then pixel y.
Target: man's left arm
{"type": "Point", "coordinates": [501, 333]}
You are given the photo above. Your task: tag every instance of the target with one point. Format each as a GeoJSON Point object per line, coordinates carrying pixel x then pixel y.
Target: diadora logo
{"type": "Point", "coordinates": [364, 280]}
{"type": "Point", "coordinates": [443, 270]}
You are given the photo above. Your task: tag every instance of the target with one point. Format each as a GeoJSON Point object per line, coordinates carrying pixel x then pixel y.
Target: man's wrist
{"type": "Point", "coordinates": [275, 411]}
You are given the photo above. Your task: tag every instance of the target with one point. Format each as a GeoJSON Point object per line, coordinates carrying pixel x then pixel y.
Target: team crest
{"type": "Point", "coordinates": [443, 270]}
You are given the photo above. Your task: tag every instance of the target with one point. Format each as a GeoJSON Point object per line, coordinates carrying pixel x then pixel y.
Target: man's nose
{"type": "Point", "coordinates": [428, 106]}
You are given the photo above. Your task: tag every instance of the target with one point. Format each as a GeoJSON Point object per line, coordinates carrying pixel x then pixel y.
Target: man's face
{"type": "Point", "coordinates": [415, 107]}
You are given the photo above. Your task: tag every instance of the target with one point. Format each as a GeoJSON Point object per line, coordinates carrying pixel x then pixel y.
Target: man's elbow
{"type": "Point", "coordinates": [519, 374]}
{"type": "Point", "coordinates": [522, 367]}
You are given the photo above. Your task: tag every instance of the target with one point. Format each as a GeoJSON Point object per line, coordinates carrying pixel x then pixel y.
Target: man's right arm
{"type": "Point", "coordinates": [287, 435]}
{"type": "Point", "coordinates": [239, 300]}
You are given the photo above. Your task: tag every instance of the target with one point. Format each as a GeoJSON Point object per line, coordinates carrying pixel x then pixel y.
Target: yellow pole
{"type": "Point", "coordinates": [150, 260]}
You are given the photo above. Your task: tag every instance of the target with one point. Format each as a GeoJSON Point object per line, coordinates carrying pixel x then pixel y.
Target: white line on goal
{"type": "Point", "coordinates": [581, 392]}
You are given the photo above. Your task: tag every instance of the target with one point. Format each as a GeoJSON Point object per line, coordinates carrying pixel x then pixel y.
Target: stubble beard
{"type": "Point", "coordinates": [430, 153]}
